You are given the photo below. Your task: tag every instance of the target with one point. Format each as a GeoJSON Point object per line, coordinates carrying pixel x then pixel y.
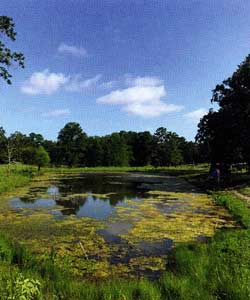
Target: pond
{"type": "Point", "coordinates": [89, 195]}
{"type": "Point", "coordinates": [119, 224]}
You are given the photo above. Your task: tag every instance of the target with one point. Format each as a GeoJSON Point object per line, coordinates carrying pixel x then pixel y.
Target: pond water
{"type": "Point", "coordinates": [90, 195]}
{"type": "Point", "coordinates": [120, 224]}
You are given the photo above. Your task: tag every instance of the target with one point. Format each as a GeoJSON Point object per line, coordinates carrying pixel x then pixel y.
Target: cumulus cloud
{"type": "Point", "coordinates": [73, 50]}
{"type": "Point", "coordinates": [196, 115]}
{"type": "Point", "coordinates": [56, 113]}
{"type": "Point", "coordinates": [77, 83]}
{"type": "Point", "coordinates": [47, 83]}
{"type": "Point", "coordinates": [44, 82]}
{"type": "Point", "coordinates": [142, 98]}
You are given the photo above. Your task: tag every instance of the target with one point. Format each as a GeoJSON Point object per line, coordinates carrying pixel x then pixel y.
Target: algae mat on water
{"type": "Point", "coordinates": [132, 232]}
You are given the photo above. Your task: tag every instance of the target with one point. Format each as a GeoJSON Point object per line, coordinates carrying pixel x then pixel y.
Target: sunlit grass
{"type": "Point", "coordinates": [16, 175]}
{"type": "Point", "coordinates": [178, 170]}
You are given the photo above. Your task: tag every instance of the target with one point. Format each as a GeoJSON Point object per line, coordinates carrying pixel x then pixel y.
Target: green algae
{"type": "Point", "coordinates": [199, 218]}
{"type": "Point", "coordinates": [151, 263]}
{"type": "Point", "coordinates": [78, 244]}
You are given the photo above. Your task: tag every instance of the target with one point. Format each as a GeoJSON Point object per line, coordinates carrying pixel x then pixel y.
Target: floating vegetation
{"type": "Point", "coordinates": [135, 239]}
{"type": "Point", "coordinates": [181, 217]}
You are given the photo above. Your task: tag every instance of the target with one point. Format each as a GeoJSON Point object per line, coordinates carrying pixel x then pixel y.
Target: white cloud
{"type": "Point", "coordinates": [77, 84]}
{"type": "Point", "coordinates": [47, 83]}
{"type": "Point", "coordinates": [73, 50]}
{"type": "Point", "coordinates": [44, 82]}
{"type": "Point", "coordinates": [57, 113]}
{"type": "Point", "coordinates": [152, 109]}
{"type": "Point", "coordinates": [196, 115]}
{"type": "Point", "coordinates": [109, 84]}
{"type": "Point", "coordinates": [143, 98]}
{"type": "Point", "coordinates": [143, 81]}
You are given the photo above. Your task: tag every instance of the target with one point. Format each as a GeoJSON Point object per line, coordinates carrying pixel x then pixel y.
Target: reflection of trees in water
{"type": "Point", "coordinates": [28, 199]}
{"type": "Point", "coordinates": [117, 187]}
{"type": "Point", "coordinates": [100, 184]}
{"type": "Point", "coordinates": [33, 194]}
{"type": "Point", "coordinates": [72, 205]}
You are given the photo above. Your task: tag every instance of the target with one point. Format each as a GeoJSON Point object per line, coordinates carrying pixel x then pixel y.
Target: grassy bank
{"type": "Point", "coordinates": [238, 208]}
{"type": "Point", "coordinates": [17, 175]}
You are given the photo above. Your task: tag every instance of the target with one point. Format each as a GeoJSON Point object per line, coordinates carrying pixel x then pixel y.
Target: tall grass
{"type": "Point", "coordinates": [16, 175]}
{"type": "Point", "coordinates": [239, 208]}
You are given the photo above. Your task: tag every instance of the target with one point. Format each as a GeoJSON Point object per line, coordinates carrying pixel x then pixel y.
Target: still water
{"type": "Point", "coordinates": [91, 195]}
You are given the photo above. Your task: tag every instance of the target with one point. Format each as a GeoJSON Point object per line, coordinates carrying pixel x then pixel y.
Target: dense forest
{"type": "Point", "coordinates": [125, 148]}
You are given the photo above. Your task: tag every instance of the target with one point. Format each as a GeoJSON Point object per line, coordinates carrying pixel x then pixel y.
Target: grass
{"type": "Point", "coordinates": [181, 170]}
{"type": "Point", "coordinates": [237, 207]}
{"type": "Point", "coordinates": [16, 176]}
{"type": "Point", "coordinates": [218, 270]}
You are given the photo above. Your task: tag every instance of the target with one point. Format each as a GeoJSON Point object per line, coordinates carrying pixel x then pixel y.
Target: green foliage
{"type": "Point", "coordinates": [25, 289]}
{"type": "Point", "coordinates": [7, 57]}
{"type": "Point", "coordinates": [29, 155]}
{"type": "Point", "coordinates": [74, 148]}
{"type": "Point", "coordinates": [72, 144]}
{"type": "Point", "coordinates": [168, 148]}
{"type": "Point", "coordinates": [115, 151]}
{"type": "Point", "coordinates": [41, 157]}
{"type": "Point", "coordinates": [225, 133]}
{"type": "Point", "coordinates": [16, 176]}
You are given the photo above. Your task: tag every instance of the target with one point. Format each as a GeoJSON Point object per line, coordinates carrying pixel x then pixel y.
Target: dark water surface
{"type": "Point", "coordinates": [91, 195]}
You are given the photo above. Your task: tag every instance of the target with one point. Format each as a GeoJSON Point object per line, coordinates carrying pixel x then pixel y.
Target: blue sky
{"type": "Point", "coordinates": [120, 64]}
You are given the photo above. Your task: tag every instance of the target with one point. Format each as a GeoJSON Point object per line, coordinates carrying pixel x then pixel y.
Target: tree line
{"type": "Point", "coordinates": [74, 148]}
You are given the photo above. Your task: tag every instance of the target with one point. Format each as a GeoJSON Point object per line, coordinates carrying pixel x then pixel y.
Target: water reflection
{"type": "Point", "coordinates": [94, 195]}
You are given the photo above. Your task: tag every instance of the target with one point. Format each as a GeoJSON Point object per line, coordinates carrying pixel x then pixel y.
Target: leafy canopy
{"type": "Point", "coordinates": [226, 132]}
{"type": "Point", "coordinates": [8, 57]}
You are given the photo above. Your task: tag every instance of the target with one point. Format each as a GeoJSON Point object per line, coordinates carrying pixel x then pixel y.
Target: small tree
{"type": "Point", "coordinates": [41, 157]}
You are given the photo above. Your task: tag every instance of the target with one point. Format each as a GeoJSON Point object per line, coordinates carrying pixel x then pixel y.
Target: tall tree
{"type": "Point", "coordinates": [8, 57]}
{"type": "Point", "coordinates": [226, 132]}
{"type": "Point", "coordinates": [161, 151]}
{"type": "Point", "coordinates": [72, 143]}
